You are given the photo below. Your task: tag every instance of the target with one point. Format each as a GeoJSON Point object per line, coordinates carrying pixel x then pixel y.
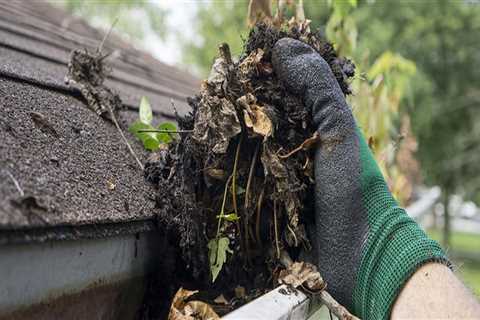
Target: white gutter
{"type": "Point", "coordinates": [278, 304]}
{"type": "Point", "coordinates": [33, 273]}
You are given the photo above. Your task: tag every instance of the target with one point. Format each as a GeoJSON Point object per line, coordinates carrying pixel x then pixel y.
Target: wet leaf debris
{"type": "Point", "coordinates": [236, 188]}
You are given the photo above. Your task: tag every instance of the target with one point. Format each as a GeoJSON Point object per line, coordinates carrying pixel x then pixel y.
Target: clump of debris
{"type": "Point", "coordinates": [236, 187]}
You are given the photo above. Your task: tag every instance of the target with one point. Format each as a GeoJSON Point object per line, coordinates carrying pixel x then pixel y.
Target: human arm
{"type": "Point", "coordinates": [435, 292]}
{"type": "Point", "coordinates": [365, 244]}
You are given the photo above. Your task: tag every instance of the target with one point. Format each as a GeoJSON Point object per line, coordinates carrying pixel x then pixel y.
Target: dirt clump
{"type": "Point", "coordinates": [236, 187]}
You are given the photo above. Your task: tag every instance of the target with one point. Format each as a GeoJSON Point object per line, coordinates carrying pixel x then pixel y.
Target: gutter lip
{"type": "Point", "coordinates": [277, 304]}
{"type": "Point", "coordinates": [75, 232]}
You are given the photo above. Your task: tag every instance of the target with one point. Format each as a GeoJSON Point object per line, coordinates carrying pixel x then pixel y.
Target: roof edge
{"type": "Point", "coordinates": [69, 233]}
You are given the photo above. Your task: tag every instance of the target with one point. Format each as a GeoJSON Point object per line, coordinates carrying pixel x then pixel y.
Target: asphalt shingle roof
{"type": "Point", "coordinates": [66, 170]}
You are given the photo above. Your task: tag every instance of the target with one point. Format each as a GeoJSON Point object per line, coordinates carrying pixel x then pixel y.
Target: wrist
{"type": "Point", "coordinates": [394, 248]}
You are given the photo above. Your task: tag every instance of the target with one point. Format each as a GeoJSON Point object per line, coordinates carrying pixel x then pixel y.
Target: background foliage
{"type": "Point", "coordinates": [132, 17]}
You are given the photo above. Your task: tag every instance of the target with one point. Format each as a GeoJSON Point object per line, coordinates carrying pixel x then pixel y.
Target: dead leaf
{"type": "Point", "coordinates": [273, 165]}
{"type": "Point", "coordinates": [306, 145]}
{"type": "Point", "coordinates": [217, 79]}
{"type": "Point", "coordinates": [218, 174]}
{"type": "Point", "coordinates": [251, 64]}
{"type": "Point", "coordinates": [255, 117]}
{"type": "Point", "coordinates": [180, 297]}
{"type": "Point", "coordinates": [201, 311]}
{"type": "Point", "coordinates": [302, 274]}
{"type": "Point", "coordinates": [221, 299]}
{"type": "Point", "coordinates": [192, 310]}
{"type": "Point", "coordinates": [218, 73]}
{"type": "Point", "coordinates": [216, 123]}
{"type": "Point", "coordinates": [240, 292]}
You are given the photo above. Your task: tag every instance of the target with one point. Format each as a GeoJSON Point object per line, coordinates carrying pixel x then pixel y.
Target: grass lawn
{"type": "Point", "coordinates": [469, 270]}
{"type": "Point", "coordinates": [460, 240]}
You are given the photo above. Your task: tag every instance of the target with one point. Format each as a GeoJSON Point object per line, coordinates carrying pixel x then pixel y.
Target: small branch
{"type": "Point", "coordinates": [15, 182]}
{"type": "Point", "coordinates": [100, 47]}
{"type": "Point", "coordinates": [336, 308]}
{"type": "Point", "coordinates": [305, 145]}
{"type": "Point", "coordinates": [277, 246]}
{"type": "Point", "coordinates": [306, 163]}
{"type": "Point", "coordinates": [164, 131]}
{"type": "Point", "coordinates": [293, 234]}
{"type": "Point", "coordinates": [259, 212]}
{"type": "Point", "coordinates": [114, 119]}
{"type": "Point", "coordinates": [247, 191]}
{"type": "Point", "coordinates": [234, 193]}
{"type": "Point", "coordinates": [250, 176]}
{"type": "Point", "coordinates": [222, 209]}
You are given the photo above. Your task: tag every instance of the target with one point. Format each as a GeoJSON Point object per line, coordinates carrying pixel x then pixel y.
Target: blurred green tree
{"type": "Point", "coordinates": [226, 21]}
{"type": "Point", "coordinates": [133, 16]}
{"type": "Point", "coordinates": [442, 38]}
{"type": "Point", "coordinates": [216, 22]}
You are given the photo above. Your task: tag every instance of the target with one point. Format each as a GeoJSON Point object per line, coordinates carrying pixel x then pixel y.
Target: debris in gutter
{"type": "Point", "coordinates": [236, 188]}
{"type": "Point", "coordinates": [304, 275]}
{"type": "Point", "coordinates": [88, 71]}
{"type": "Point", "coordinates": [182, 309]}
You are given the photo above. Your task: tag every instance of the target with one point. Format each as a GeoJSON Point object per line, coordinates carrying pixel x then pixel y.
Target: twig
{"type": "Point", "coordinates": [259, 212]}
{"type": "Point", "coordinates": [250, 176]}
{"type": "Point", "coordinates": [164, 131]}
{"type": "Point", "coordinates": [114, 119]}
{"type": "Point", "coordinates": [15, 182]}
{"type": "Point", "coordinates": [276, 228]}
{"type": "Point", "coordinates": [175, 112]}
{"type": "Point", "coordinates": [336, 308]}
{"type": "Point", "coordinates": [222, 209]}
{"type": "Point", "coordinates": [100, 47]}
{"type": "Point", "coordinates": [247, 192]}
{"type": "Point", "coordinates": [234, 191]}
{"type": "Point", "coordinates": [306, 163]}
{"type": "Point", "coordinates": [293, 234]}
{"type": "Point", "coordinates": [305, 145]}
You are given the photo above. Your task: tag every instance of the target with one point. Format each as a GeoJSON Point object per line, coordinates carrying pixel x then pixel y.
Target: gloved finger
{"type": "Point", "coordinates": [305, 73]}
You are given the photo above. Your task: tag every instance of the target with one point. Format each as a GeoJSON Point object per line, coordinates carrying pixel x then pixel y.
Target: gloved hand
{"type": "Point", "coordinates": [366, 245]}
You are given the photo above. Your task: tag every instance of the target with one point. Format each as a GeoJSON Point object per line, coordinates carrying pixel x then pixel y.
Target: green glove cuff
{"type": "Point", "coordinates": [395, 247]}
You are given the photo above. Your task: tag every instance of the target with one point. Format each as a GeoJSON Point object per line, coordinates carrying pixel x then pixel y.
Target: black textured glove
{"type": "Point", "coordinates": [365, 245]}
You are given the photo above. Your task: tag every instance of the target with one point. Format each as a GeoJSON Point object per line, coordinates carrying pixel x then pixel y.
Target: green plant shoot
{"type": "Point", "coordinates": [153, 139]}
{"type": "Point", "coordinates": [217, 254]}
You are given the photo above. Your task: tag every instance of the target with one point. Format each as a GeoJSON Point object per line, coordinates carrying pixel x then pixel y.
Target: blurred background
{"type": "Point", "coordinates": [416, 93]}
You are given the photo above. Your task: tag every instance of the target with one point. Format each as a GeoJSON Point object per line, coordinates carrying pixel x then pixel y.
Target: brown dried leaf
{"type": "Point", "coordinates": [240, 292]}
{"type": "Point", "coordinates": [218, 174]}
{"type": "Point", "coordinates": [193, 310]}
{"type": "Point", "coordinates": [255, 117]}
{"type": "Point", "coordinates": [178, 304]}
{"type": "Point", "coordinates": [273, 165]}
{"type": "Point", "coordinates": [201, 311]}
{"type": "Point", "coordinates": [216, 123]}
{"type": "Point", "coordinates": [302, 274]}
{"type": "Point", "coordinates": [221, 299]}
{"type": "Point", "coordinates": [250, 65]}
